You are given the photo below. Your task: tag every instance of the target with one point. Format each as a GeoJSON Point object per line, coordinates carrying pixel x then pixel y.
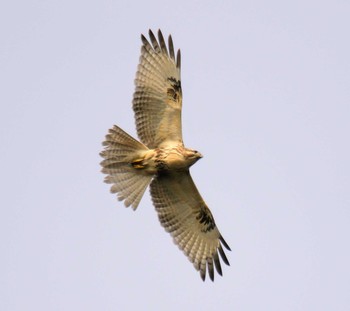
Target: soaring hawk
{"type": "Point", "coordinates": [161, 160]}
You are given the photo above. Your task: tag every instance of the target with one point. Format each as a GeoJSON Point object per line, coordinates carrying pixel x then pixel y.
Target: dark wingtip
{"type": "Point", "coordinates": [163, 46]}
{"type": "Point", "coordinates": [210, 269]}
{"type": "Point", "coordinates": [202, 276]}
{"type": "Point", "coordinates": [217, 263]}
{"type": "Point", "coordinates": [224, 243]}
{"type": "Point", "coordinates": [178, 59]}
{"type": "Point", "coordinates": [223, 256]}
{"type": "Point", "coordinates": [171, 48]}
{"type": "Point", "coordinates": [144, 40]}
{"type": "Point", "coordinates": [150, 32]}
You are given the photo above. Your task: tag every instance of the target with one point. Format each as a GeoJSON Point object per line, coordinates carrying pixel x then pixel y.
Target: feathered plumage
{"type": "Point", "coordinates": [162, 160]}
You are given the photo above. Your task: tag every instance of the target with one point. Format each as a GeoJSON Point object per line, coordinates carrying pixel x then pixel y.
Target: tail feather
{"type": "Point", "coordinates": [120, 150]}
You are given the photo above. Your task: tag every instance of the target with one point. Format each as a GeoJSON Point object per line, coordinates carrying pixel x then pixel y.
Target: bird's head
{"type": "Point", "coordinates": [192, 156]}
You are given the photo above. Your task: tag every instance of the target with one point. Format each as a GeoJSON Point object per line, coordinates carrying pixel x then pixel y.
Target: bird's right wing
{"type": "Point", "coordinates": [157, 99]}
{"type": "Point", "coordinates": [184, 214]}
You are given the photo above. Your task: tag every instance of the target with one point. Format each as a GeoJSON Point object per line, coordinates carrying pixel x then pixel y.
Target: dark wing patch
{"type": "Point", "coordinates": [205, 217]}
{"type": "Point", "coordinates": [174, 92]}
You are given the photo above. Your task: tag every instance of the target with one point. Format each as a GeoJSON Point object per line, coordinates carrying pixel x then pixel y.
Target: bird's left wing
{"type": "Point", "coordinates": [184, 214]}
{"type": "Point", "coordinates": [157, 99]}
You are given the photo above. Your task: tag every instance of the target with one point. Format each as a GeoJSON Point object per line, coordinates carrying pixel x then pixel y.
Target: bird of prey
{"type": "Point", "coordinates": [161, 160]}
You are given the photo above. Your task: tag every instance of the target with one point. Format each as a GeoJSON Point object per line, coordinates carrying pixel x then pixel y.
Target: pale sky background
{"type": "Point", "coordinates": [267, 101]}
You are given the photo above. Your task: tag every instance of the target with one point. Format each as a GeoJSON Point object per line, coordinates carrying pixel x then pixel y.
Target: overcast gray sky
{"type": "Point", "coordinates": [266, 101]}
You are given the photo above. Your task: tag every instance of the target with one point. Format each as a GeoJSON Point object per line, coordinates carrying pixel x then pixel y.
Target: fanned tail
{"type": "Point", "coordinates": [120, 151]}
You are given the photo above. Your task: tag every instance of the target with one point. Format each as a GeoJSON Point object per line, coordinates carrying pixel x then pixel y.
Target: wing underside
{"type": "Point", "coordinates": [157, 100]}
{"type": "Point", "coordinates": [184, 214]}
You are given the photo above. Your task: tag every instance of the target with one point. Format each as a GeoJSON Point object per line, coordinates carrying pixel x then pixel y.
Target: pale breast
{"type": "Point", "coordinates": [172, 158]}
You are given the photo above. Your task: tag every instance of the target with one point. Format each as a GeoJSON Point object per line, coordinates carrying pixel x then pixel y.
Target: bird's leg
{"type": "Point", "coordinates": [138, 164]}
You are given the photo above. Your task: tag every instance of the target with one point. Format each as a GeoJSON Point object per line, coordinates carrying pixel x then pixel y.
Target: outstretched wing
{"type": "Point", "coordinates": [157, 99]}
{"type": "Point", "coordinates": [184, 214]}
